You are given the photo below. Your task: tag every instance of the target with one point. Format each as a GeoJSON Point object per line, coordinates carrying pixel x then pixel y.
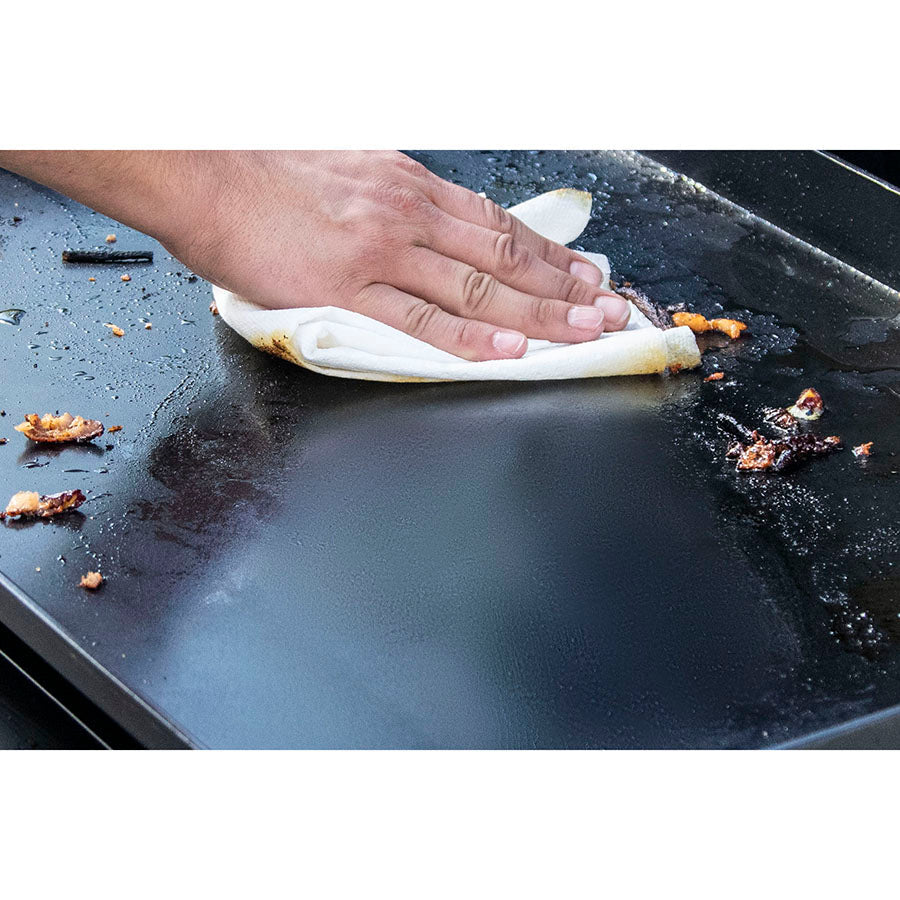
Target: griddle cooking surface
{"type": "Point", "coordinates": [294, 560]}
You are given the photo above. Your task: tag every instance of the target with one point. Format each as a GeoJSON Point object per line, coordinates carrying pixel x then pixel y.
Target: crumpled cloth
{"type": "Point", "coordinates": [335, 341]}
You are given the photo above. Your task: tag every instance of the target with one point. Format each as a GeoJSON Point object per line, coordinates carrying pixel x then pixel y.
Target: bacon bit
{"type": "Point", "coordinates": [126, 278]}
{"type": "Point", "coordinates": [716, 376]}
{"type": "Point", "coordinates": [33, 505]}
{"type": "Point", "coordinates": [110, 239]}
{"type": "Point", "coordinates": [780, 418]}
{"type": "Point", "coordinates": [115, 329]}
{"type": "Point", "coordinates": [213, 308]}
{"type": "Point", "coordinates": [863, 449]}
{"type": "Point", "coordinates": [699, 324]}
{"type": "Point", "coordinates": [762, 454]}
{"type": "Point", "coordinates": [91, 581]}
{"type": "Point", "coordinates": [50, 429]}
{"type": "Point", "coordinates": [113, 428]}
{"type": "Point", "coordinates": [809, 405]}
{"type": "Point", "coordinates": [658, 316]}
{"type": "Point", "coordinates": [92, 279]}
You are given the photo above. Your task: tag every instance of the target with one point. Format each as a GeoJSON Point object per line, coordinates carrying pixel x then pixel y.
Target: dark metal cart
{"type": "Point", "coordinates": [298, 561]}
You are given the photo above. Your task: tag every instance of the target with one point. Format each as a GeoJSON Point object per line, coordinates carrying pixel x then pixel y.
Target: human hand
{"type": "Point", "coordinates": [377, 233]}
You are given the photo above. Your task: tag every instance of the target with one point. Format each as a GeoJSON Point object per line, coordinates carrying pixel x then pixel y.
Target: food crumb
{"type": "Point", "coordinates": [31, 504]}
{"type": "Point", "coordinates": [37, 568]}
{"type": "Point", "coordinates": [91, 581]}
{"type": "Point", "coordinates": [148, 326]}
{"type": "Point", "coordinates": [4, 441]}
{"type": "Point", "coordinates": [114, 328]}
{"type": "Point", "coordinates": [59, 429]}
{"type": "Point", "coordinates": [110, 239]}
{"type": "Point", "coordinates": [114, 428]}
{"type": "Point", "coordinates": [213, 308]}
{"type": "Point", "coordinates": [809, 405]}
{"type": "Point", "coordinates": [863, 449]}
{"type": "Point", "coordinates": [126, 277]}
{"type": "Point", "coordinates": [92, 279]}
{"type": "Point", "coordinates": [716, 376]}
{"type": "Point", "coordinates": [700, 324]}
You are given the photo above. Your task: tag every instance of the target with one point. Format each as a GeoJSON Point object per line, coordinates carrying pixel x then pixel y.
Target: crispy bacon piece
{"type": "Point", "coordinates": [863, 449]}
{"type": "Point", "coordinates": [653, 311]}
{"type": "Point", "coordinates": [809, 405]}
{"type": "Point", "coordinates": [765, 454]}
{"type": "Point", "coordinates": [30, 504]}
{"type": "Point", "coordinates": [699, 324]}
{"type": "Point", "coordinates": [91, 581]}
{"type": "Point", "coordinates": [780, 418]}
{"type": "Point", "coordinates": [50, 429]}
{"type": "Point", "coordinates": [716, 376]}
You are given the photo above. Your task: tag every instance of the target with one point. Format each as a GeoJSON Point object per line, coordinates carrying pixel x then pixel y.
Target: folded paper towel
{"type": "Point", "coordinates": [335, 341]}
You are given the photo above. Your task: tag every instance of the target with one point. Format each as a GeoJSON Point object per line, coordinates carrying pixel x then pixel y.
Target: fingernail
{"type": "Point", "coordinates": [586, 272]}
{"type": "Point", "coordinates": [616, 309]}
{"type": "Point", "coordinates": [588, 318]}
{"type": "Point", "coordinates": [508, 342]}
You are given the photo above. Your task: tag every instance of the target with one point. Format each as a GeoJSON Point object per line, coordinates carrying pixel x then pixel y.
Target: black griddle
{"type": "Point", "coordinates": [299, 561]}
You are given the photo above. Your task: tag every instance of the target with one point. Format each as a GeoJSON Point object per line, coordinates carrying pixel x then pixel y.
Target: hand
{"type": "Point", "coordinates": [377, 233]}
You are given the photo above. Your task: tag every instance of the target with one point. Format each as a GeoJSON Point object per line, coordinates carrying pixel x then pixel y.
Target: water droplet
{"type": "Point", "coordinates": [11, 316]}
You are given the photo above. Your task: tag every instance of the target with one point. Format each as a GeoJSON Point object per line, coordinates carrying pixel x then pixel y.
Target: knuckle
{"type": "Point", "coordinates": [408, 164]}
{"type": "Point", "coordinates": [421, 318]}
{"type": "Point", "coordinates": [510, 256]}
{"type": "Point", "coordinates": [478, 290]}
{"type": "Point", "coordinates": [401, 199]}
{"type": "Point", "coordinates": [498, 218]}
{"type": "Point", "coordinates": [574, 290]}
{"type": "Point", "coordinates": [468, 333]}
{"type": "Point", "coordinates": [543, 311]}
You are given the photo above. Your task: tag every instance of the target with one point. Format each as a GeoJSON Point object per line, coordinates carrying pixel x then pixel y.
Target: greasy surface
{"type": "Point", "coordinates": [295, 560]}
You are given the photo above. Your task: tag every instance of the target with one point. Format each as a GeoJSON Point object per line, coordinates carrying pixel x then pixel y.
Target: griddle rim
{"type": "Point", "coordinates": [44, 635]}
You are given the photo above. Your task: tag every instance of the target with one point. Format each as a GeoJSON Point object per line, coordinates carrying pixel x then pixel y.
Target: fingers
{"type": "Point", "coordinates": [468, 206]}
{"type": "Point", "coordinates": [466, 338]}
{"type": "Point", "coordinates": [467, 292]}
{"type": "Point", "coordinates": [503, 256]}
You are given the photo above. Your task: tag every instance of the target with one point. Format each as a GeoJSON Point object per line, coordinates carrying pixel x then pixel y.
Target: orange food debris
{"type": "Point", "coordinates": [110, 239]}
{"type": "Point", "coordinates": [42, 506]}
{"type": "Point", "coordinates": [863, 449]}
{"type": "Point", "coordinates": [716, 376]}
{"type": "Point", "coordinates": [91, 581]}
{"type": "Point", "coordinates": [126, 278]}
{"type": "Point", "coordinates": [213, 308]}
{"type": "Point", "coordinates": [92, 279]}
{"type": "Point", "coordinates": [113, 428]}
{"type": "Point", "coordinates": [148, 326]}
{"type": "Point", "coordinates": [809, 405]}
{"type": "Point", "coordinates": [115, 329]}
{"type": "Point", "coordinates": [699, 324]}
{"type": "Point", "coordinates": [3, 441]}
{"type": "Point", "coordinates": [50, 429]}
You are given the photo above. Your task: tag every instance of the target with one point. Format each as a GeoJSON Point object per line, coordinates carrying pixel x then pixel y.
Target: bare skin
{"type": "Point", "coordinates": [369, 231]}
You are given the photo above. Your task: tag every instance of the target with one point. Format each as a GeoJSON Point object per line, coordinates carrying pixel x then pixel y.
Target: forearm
{"type": "Point", "coordinates": [154, 191]}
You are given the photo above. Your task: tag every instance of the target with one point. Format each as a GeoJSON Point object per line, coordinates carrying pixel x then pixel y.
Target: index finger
{"type": "Point", "coordinates": [468, 206]}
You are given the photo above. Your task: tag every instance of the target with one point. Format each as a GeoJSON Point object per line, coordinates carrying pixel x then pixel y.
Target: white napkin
{"type": "Point", "coordinates": [335, 341]}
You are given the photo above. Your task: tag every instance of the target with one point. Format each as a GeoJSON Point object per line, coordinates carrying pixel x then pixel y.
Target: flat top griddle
{"type": "Point", "coordinates": [298, 561]}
